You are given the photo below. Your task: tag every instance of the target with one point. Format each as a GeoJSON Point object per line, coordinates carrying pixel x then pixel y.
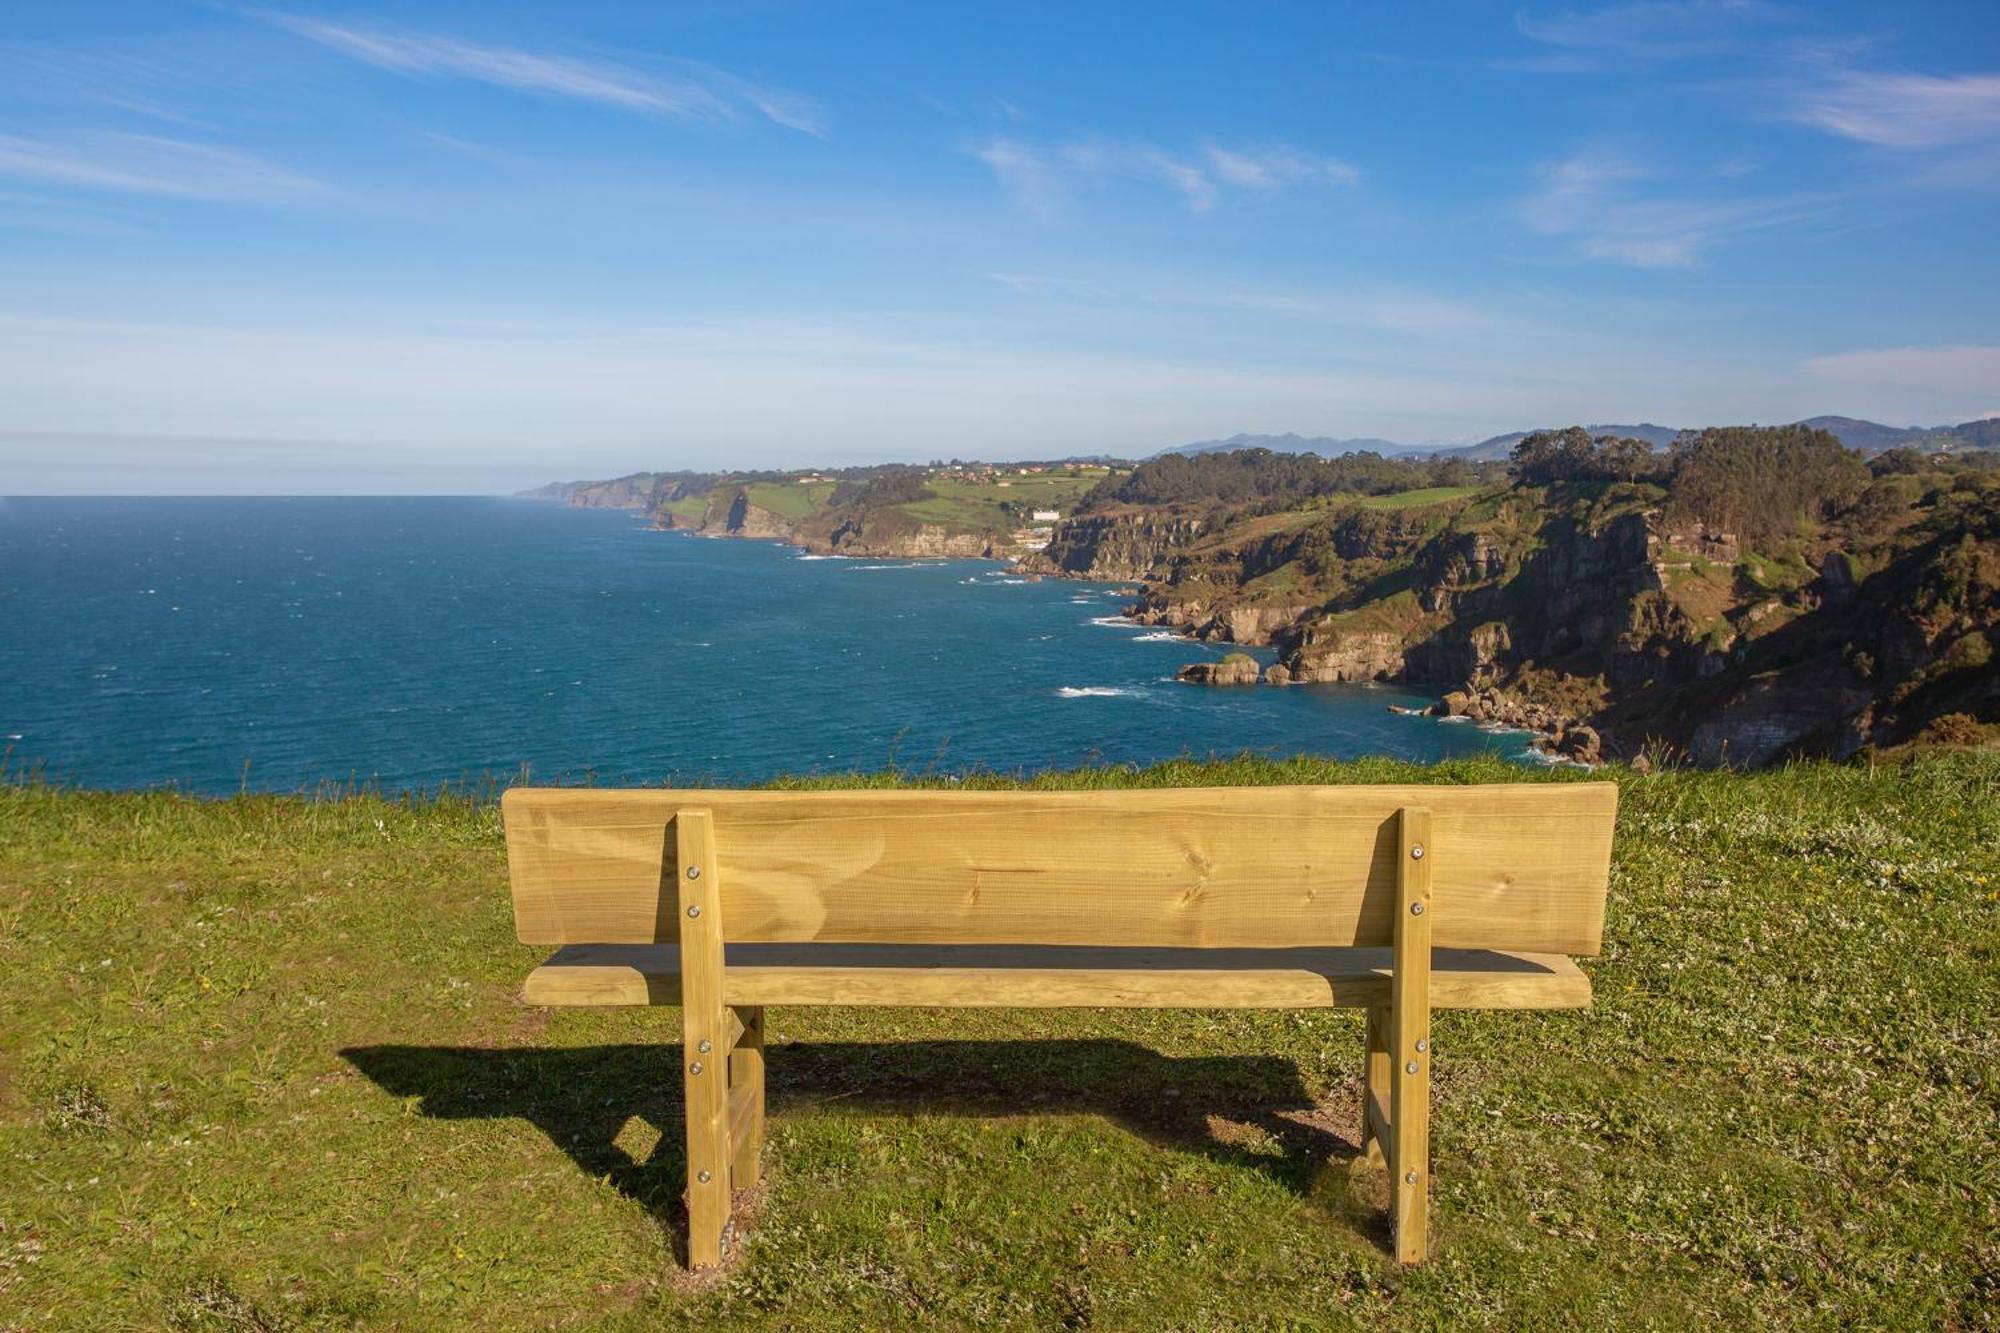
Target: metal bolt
{"type": "Point", "coordinates": [1422, 1045]}
{"type": "Point", "coordinates": [1416, 909]}
{"type": "Point", "coordinates": [1417, 852]}
{"type": "Point", "coordinates": [1411, 1178]}
{"type": "Point", "coordinates": [694, 909]}
{"type": "Point", "coordinates": [705, 1048]}
{"type": "Point", "coordinates": [694, 872]}
{"type": "Point", "coordinates": [702, 1176]}
{"type": "Point", "coordinates": [1410, 1068]}
{"type": "Point", "coordinates": [695, 1068]}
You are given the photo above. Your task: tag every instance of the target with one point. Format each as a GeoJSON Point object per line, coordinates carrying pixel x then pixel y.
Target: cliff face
{"type": "Point", "coordinates": [633, 492]}
{"type": "Point", "coordinates": [1674, 637]}
{"type": "Point", "coordinates": [1121, 546]}
{"type": "Point", "coordinates": [731, 516]}
{"type": "Point", "coordinates": [924, 541]}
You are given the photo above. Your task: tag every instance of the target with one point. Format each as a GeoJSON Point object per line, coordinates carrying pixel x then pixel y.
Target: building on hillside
{"type": "Point", "coordinates": [1047, 515]}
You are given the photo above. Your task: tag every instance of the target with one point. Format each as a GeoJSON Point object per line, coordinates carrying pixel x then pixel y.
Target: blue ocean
{"type": "Point", "coordinates": [214, 644]}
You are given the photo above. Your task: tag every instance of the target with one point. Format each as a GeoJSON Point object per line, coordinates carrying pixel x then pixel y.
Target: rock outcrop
{"type": "Point", "coordinates": [1235, 669]}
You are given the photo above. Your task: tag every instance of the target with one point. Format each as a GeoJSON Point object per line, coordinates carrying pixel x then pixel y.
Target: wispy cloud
{"type": "Point", "coordinates": [1038, 178]}
{"type": "Point", "coordinates": [150, 165]}
{"type": "Point", "coordinates": [1651, 29]}
{"type": "Point", "coordinates": [693, 91]}
{"type": "Point", "coordinates": [1025, 174]}
{"type": "Point", "coordinates": [1270, 168]}
{"type": "Point", "coordinates": [1596, 198]}
{"type": "Point", "coordinates": [1900, 110]}
{"type": "Point", "coordinates": [1375, 308]}
{"type": "Point", "coordinates": [1953, 368]}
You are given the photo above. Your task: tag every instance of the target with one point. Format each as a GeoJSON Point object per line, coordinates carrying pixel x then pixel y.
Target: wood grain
{"type": "Point", "coordinates": [1518, 866]}
{"type": "Point", "coordinates": [704, 1024]}
{"type": "Point", "coordinates": [1409, 1040]}
{"type": "Point", "coordinates": [1045, 977]}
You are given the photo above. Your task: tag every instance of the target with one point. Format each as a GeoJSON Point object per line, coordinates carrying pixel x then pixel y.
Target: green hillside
{"type": "Point", "coordinates": [261, 1067]}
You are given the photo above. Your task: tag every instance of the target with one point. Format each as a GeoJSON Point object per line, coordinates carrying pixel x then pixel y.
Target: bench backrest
{"type": "Point", "coordinates": [1513, 866]}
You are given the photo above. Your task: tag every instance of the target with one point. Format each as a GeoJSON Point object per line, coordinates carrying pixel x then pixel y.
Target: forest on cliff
{"type": "Point", "coordinates": [1749, 594]}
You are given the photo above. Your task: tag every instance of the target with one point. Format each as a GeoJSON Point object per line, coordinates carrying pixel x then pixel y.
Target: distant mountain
{"type": "Point", "coordinates": [1500, 446]}
{"type": "Point", "coordinates": [1322, 445]}
{"type": "Point", "coordinates": [1873, 437]}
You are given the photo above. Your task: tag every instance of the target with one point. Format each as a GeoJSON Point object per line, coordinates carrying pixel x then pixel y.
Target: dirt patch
{"type": "Point", "coordinates": [744, 1208]}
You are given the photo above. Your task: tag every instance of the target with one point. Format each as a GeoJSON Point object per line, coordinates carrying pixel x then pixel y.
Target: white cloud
{"type": "Point", "coordinates": [700, 91]}
{"type": "Point", "coordinates": [1269, 168]}
{"type": "Point", "coordinates": [1651, 29]}
{"type": "Point", "coordinates": [1027, 177]}
{"type": "Point", "coordinates": [1038, 178]}
{"type": "Point", "coordinates": [1590, 198]}
{"type": "Point", "coordinates": [1965, 368]}
{"type": "Point", "coordinates": [1898, 110]}
{"type": "Point", "coordinates": [150, 165]}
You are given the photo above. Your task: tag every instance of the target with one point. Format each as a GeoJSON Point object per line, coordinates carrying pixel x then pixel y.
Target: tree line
{"type": "Point", "coordinates": [1272, 480]}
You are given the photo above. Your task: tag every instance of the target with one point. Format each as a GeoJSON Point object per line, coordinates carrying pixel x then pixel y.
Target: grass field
{"type": "Point", "coordinates": [976, 506]}
{"type": "Point", "coordinates": [261, 1066]}
{"type": "Point", "coordinates": [789, 499]}
{"type": "Point", "coordinates": [1416, 499]}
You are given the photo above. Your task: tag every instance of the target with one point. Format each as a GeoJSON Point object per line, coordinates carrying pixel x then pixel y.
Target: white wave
{"type": "Point", "coordinates": [1010, 580]}
{"type": "Point", "coordinates": [905, 564]}
{"type": "Point", "coordinates": [807, 555]}
{"type": "Point", "coordinates": [1114, 622]}
{"type": "Point", "coordinates": [1092, 691]}
{"type": "Point", "coordinates": [1162, 636]}
{"type": "Point", "coordinates": [1460, 718]}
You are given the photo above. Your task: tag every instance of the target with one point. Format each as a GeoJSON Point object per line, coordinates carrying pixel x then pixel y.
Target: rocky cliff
{"type": "Point", "coordinates": [1586, 614]}
{"type": "Point", "coordinates": [1120, 546]}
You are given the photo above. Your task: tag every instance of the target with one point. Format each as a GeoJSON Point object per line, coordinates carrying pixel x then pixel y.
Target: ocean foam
{"type": "Point", "coordinates": [1113, 622]}
{"type": "Point", "coordinates": [1092, 691]}
{"type": "Point", "coordinates": [1162, 636]}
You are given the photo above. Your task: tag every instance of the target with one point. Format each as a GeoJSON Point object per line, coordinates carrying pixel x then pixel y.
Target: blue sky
{"type": "Point", "coordinates": [473, 246]}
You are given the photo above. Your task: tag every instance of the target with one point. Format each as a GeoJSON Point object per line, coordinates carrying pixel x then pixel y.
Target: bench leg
{"type": "Point", "coordinates": [1375, 1085]}
{"type": "Point", "coordinates": [704, 1038]}
{"type": "Point", "coordinates": [1409, 1041]}
{"type": "Point", "coordinates": [746, 1080]}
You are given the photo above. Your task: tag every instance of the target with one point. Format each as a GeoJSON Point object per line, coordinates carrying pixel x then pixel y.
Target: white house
{"type": "Point", "coordinates": [1047, 515]}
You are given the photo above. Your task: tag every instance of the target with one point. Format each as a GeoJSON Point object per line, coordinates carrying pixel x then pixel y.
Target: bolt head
{"type": "Point", "coordinates": [1416, 909]}
{"type": "Point", "coordinates": [1410, 1068]}
{"type": "Point", "coordinates": [1417, 852]}
{"type": "Point", "coordinates": [694, 909]}
{"type": "Point", "coordinates": [694, 872]}
{"type": "Point", "coordinates": [1422, 1045]}
{"type": "Point", "coordinates": [703, 1177]}
{"type": "Point", "coordinates": [704, 1048]}
{"type": "Point", "coordinates": [1411, 1178]}
{"type": "Point", "coordinates": [695, 1068]}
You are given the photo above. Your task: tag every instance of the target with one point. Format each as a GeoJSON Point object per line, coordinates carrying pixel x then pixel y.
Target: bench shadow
{"type": "Point", "coordinates": [1251, 1112]}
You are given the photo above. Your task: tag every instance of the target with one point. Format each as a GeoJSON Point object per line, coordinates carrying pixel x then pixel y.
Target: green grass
{"type": "Point", "coordinates": [789, 499]}
{"type": "Point", "coordinates": [261, 1066]}
{"type": "Point", "coordinates": [1428, 495]}
{"type": "Point", "coordinates": [977, 506]}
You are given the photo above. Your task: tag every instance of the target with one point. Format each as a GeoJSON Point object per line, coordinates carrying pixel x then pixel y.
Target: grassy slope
{"type": "Point", "coordinates": [260, 1061]}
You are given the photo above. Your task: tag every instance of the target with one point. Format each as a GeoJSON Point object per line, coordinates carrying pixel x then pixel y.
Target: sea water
{"type": "Point", "coordinates": [279, 643]}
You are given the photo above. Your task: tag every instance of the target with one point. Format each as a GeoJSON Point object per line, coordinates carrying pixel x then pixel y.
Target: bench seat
{"type": "Point", "coordinates": [1044, 976]}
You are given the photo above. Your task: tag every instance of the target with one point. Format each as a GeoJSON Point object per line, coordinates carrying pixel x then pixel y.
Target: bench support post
{"type": "Point", "coordinates": [1409, 1040]}
{"type": "Point", "coordinates": [704, 1036]}
{"type": "Point", "coordinates": [1375, 1087]}
{"type": "Point", "coordinates": [746, 1080]}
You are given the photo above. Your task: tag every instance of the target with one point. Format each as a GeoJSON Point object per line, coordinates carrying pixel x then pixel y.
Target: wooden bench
{"type": "Point", "coordinates": [1397, 900]}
